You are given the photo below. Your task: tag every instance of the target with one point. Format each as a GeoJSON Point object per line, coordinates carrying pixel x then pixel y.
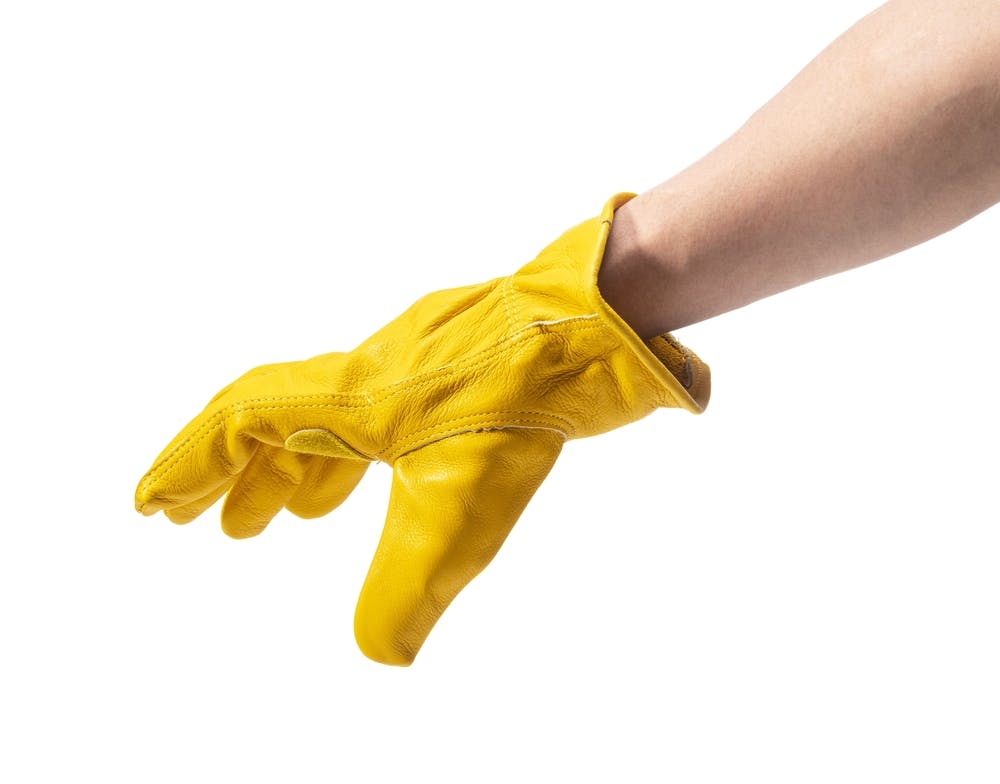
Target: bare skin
{"type": "Point", "coordinates": [888, 138]}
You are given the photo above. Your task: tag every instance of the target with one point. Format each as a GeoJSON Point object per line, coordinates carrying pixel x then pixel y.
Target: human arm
{"type": "Point", "coordinates": [888, 138]}
{"type": "Point", "coordinates": [471, 392]}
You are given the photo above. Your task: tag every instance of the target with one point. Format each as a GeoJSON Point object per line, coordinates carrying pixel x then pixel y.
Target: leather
{"type": "Point", "coordinates": [468, 395]}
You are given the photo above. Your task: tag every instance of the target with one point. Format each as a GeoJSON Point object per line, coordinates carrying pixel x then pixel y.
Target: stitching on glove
{"type": "Point", "coordinates": [531, 331]}
{"type": "Point", "coordinates": [416, 440]}
{"type": "Point", "coordinates": [504, 291]}
{"type": "Point", "coordinates": [445, 436]}
{"type": "Point", "coordinates": [552, 322]}
{"type": "Point", "coordinates": [470, 419]}
{"type": "Point", "coordinates": [513, 299]}
{"type": "Point", "coordinates": [217, 420]}
{"type": "Point", "coordinates": [409, 443]}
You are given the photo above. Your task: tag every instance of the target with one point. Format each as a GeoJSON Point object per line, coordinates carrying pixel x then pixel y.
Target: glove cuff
{"type": "Point", "coordinates": [685, 378]}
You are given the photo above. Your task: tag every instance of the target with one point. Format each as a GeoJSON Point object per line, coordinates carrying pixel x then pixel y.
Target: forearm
{"type": "Point", "coordinates": [889, 137]}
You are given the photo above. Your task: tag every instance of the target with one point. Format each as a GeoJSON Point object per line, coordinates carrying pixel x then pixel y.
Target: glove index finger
{"type": "Point", "coordinates": [267, 405]}
{"type": "Point", "coordinates": [210, 451]}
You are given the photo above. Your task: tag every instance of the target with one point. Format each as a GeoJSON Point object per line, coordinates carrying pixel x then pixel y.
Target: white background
{"type": "Point", "coordinates": [802, 585]}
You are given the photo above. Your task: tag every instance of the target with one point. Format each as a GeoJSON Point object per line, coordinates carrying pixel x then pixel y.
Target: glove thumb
{"type": "Point", "coordinates": [452, 504]}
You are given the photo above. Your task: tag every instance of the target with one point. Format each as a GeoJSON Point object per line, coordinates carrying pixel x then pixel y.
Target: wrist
{"type": "Point", "coordinates": [631, 278]}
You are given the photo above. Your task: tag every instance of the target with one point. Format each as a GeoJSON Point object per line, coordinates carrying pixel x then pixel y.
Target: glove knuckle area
{"type": "Point", "coordinates": [573, 376]}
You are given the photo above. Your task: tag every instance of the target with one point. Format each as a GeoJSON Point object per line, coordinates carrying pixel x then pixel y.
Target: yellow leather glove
{"type": "Point", "coordinates": [468, 395]}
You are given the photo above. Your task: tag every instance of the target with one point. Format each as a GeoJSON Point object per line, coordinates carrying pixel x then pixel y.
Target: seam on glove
{"type": "Point", "coordinates": [412, 444]}
{"type": "Point", "coordinates": [530, 332]}
{"type": "Point", "coordinates": [445, 436]}
{"type": "Point", "coordinates": [505, 294]}
{"type": "Point", "coordinates": [264, 404]}
{"type": "Point", "coordinates": [218, 419]}
{"type": "Point", "coordinates": [513, 292]}
{"type": "Point", "coordinates": [470, 424]}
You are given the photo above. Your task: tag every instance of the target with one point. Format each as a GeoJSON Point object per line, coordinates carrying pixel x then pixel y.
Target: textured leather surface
{"type": "Point", "coordinates": [469, 395]}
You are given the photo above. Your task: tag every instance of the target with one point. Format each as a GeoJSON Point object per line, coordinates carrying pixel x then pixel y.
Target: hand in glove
{"type": "Point", "coordinates": [468, 395]}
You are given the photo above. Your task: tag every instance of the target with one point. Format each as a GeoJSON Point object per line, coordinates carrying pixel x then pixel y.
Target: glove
{"type": "Point", "coordinates": [468, 395]}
